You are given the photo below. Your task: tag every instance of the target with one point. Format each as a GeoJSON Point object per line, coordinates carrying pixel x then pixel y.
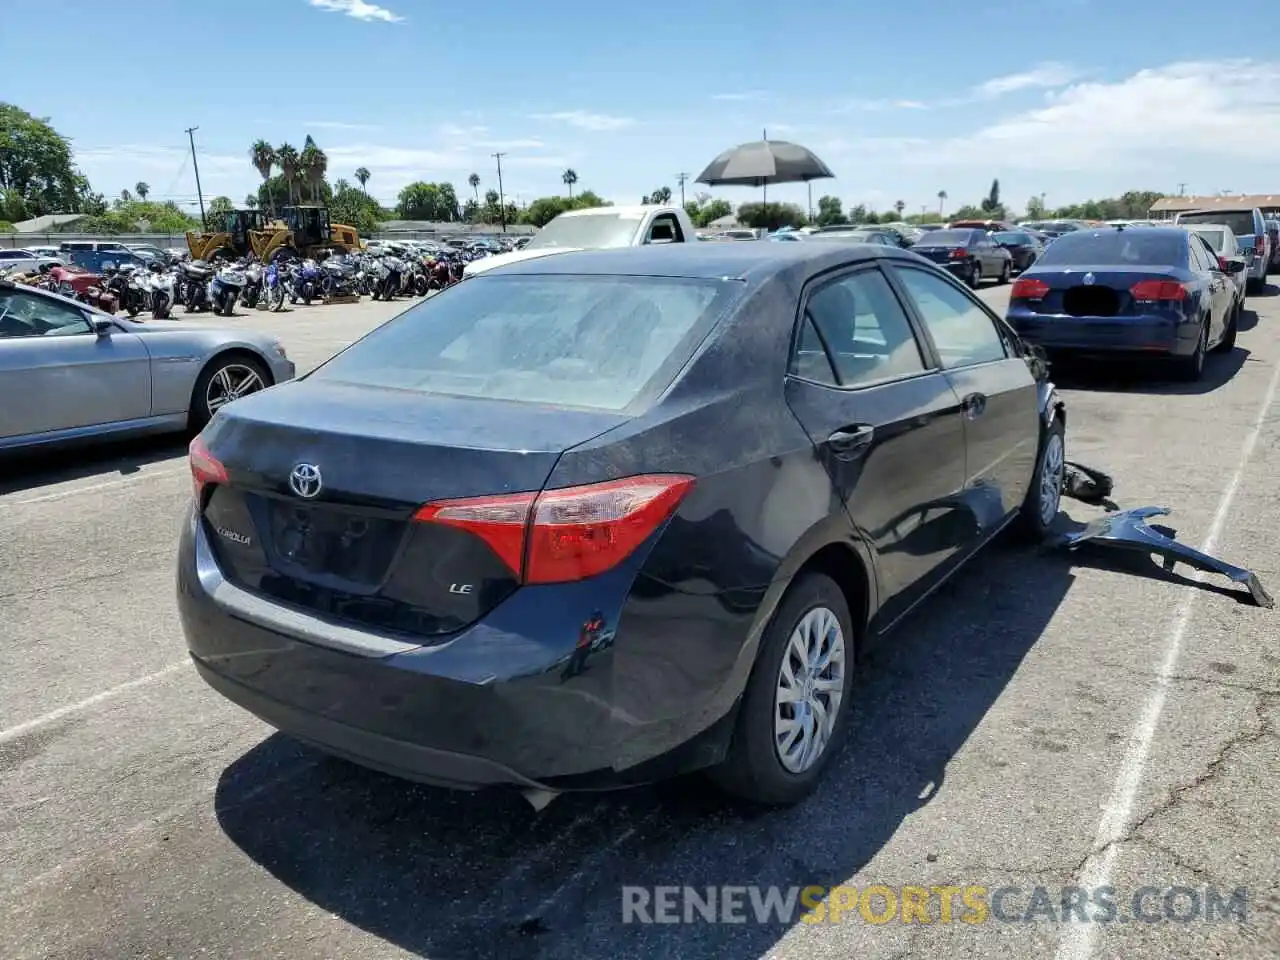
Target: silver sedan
{"type": "Point", "coordinates": [70, 373]}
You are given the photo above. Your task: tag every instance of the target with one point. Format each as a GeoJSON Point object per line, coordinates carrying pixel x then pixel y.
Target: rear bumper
{"type": "Point", "coordinates": [1149, 335]}
{"type": "Point", "coordinates": [511, 700]}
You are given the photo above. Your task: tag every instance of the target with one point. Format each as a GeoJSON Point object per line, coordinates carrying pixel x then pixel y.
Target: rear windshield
{"type": "Point", "coordinates": [1240, 222]}
{"type": "Point", "coordinates": [944, 238]}
{"type": "Point", "coordinates": [1123, 247]}
{"type": "Point", "coordinates": [580, 341]}
{"type": "Point", "coordinates": [1215, 238]}
{"type": "Point", "coordinates": [1014, 237]}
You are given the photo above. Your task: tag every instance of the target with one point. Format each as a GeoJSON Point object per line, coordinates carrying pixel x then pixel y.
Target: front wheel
{"type": "Point", "coordinates": [975, 275]}
{"type": "Point", "coordinates": [1006, 271]}
{"type": "Point", "coordinates": [793, 715]}
{"type": "Point", "coordinates": [225, 379]}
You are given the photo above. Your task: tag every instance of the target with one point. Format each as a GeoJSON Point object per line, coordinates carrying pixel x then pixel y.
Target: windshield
{"type": "Point", "coordinates": [1015, 238]}
{"type": "Point", "coordinates": [590, 231]}
{"type": "Point", "coordinates": [1215, 238]}
{"type": "Point", "coordinates": [1240, 222]}
{"type": "Point", "coordinates": [582, 341]}
{"type": "Point", "coordinates": [945, 238]}
{"type": "Point", "coordinates": [1157, 248]}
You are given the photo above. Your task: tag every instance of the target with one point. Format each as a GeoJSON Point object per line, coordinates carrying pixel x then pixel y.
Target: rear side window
{"type": "Point", "coordinates": [1214, 238]}
{"type": "Point", "coordinates": [1240, 221]}
{"type": "Point", "coordinates": [855, 326]}
{"type": "Point", "coordinates": [1127, 247]}
{"type": "Point", "coordinates": [583, 341]}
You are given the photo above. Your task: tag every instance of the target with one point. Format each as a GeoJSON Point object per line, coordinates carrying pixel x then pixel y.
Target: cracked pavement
{"type": "Point", "coordinates": [143, 816]}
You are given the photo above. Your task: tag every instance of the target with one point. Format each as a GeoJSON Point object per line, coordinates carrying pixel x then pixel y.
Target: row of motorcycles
{"type": "Point", "coordinates": [216, 287]}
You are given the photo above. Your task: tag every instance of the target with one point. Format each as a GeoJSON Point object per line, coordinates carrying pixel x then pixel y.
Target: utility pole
{"type": "Point", "coordinates": [682, 179]}
{"type": "Point", "coordinates": [502, 202]}
{"type": "Point", "coordinates": [809, 184]}
{"type": "Point", "coordinates": [1182, 189]}
{"type": "Point", "coordinates": [191, 136]}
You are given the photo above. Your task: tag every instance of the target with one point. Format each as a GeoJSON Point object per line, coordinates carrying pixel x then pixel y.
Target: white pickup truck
{"type": "Point", "coordinates": [597, 228]}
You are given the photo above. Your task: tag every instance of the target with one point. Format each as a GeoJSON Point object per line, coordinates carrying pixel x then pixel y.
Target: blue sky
{"type": "Point", "coordinates": [1069, 98]}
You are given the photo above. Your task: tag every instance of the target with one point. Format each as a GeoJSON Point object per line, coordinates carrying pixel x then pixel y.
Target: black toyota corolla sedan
{"type": "Point", "coordinates": [600, 518]}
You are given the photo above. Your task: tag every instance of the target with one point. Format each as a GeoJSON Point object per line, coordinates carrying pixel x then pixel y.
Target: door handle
{"type": "Point", "coordinates": [973, 405]}
{"type": "Point", "coordinates": [851, 439]}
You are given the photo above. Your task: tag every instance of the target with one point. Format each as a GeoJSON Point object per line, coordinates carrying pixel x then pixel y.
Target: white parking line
{"type": "Point", "coordinates": [92, 487]}
{"type": "Point", "coordinates": [53, 716]}
{"type": "Point", "coordinates": [1078, 938]}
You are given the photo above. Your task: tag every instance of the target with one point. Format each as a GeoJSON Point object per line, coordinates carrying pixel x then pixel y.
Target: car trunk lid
{"type": "Point", "coordinates": [323, 480]}
{"type": "Point", "coordinates": [1089, 291]}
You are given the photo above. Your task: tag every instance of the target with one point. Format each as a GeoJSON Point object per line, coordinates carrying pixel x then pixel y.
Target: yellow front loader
{"type": "Point", "coordinates": [232, 238]}
{"type": "Point", "coordinates": [303, 232]}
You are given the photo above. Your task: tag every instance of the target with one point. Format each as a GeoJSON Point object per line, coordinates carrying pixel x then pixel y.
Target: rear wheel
{"type": "Point", "coordinates": [1191, 368]}
{"type": "Point", "coordinates": [975, 274]}
{"type": "Point", "coordinates": [1040, 508]}
{"type": "Point", "coordinates": [1006, 271]}
{"type": "Point", "coordinates": [225, 379]}
{"type": "Point", "coordinates": [793, 715]}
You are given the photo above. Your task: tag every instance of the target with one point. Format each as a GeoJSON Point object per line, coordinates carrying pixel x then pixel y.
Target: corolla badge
{"type": "Point", "coordinates": [305, 480]}
{"type": "Point", "coordinates": [1088, 279]}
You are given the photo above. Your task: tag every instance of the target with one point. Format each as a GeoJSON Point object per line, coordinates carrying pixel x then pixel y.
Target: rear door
{"type": "Point", "coordinates": [57, 374]}
{"type": "Point", "coordinates": [997, 393]}
{"type": "Point", "coordinates": [886, 425]}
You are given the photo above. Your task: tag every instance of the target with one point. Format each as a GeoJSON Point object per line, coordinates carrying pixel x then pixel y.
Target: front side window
{"type": "Point", "coordinates": [862, 329]}
{"type": "Point", "coordinates": [962, 331]}
{"type": "Point", "coordinates": [29, 315]}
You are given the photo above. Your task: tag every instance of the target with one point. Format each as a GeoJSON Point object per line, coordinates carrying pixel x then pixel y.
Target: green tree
{"type": "Point", "coordinates": [830, 211]}
{"type": "Point", "coordinates": [36, 173]}
{"type": "Point", "coordinates": [354, 207]}
{"type": "Point", "coordinates": [362, 177]}
{"type": "Point", "coordinates": [858, 213]}
{"type": "Point", "coordinates": [142, 188]}
{"type": "Point", "coordinates": [942, 201]}
{"type": "Point", "coordinates": [970, 212]}
{"type": "Point", "coordinates": [290, 167]}
{"type": "Point", "coordinates": [474, 181]}
{"type": "Point", "coordinates": [661, 196]}
{"type": "Point", "coordinates": [220, 206]}
{"type": "Point", "coordinates": [429, 201]}
{"type": "Point", "coordinates": [1035, 209]}
{"type": "Point", "coordinates": [992, 201]}
{"type": "Point", "coordinates": [899, 206]}
{"type": "Point", "coordinates": [313, 165]}
{"type": "Point", "coordinates": [263, 157]}
{"type": "Point", "coordinates": [771, 216]}
{"type": "Point", "coordinates": [570, 177]}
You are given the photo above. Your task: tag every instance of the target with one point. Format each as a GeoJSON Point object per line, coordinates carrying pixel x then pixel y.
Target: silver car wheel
{"type": "Point", "coordinates": [231, 382]}
{"type": "Point", "coordinates": [1052, 468]}
{"type": "Point", "coordinates": [809, 690]}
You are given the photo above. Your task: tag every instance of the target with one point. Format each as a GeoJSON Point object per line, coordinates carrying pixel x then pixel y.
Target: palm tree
{"type": "Point", "coordinates": [314, 164]}
{"type": "Point", "coordinates": [250, 200]}
{"type": "Point", "coordinates": [474, 180]}
{"type": "Point", "coordinates": [362, 175]}
{"type": "Point", "coordinates": [899, 206]}
{"type": "Point", "coordinates": [942, 199]}
{"type": "Point", "coordinates": [287, 158]}
{"type": "Point", "coordinates": [342, 186]}
{"type": "Point", "coordinates": [263, 157]}
{"type": "Point", "coordinates": [125, 196]}
{"type": "Point", "coordinates": [570, 177]}
{"type": "Point", "coordinates": [141, 189]}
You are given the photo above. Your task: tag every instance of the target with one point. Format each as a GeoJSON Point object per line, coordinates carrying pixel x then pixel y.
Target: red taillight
{"type": "Point", "coordinates": [569, 534]}
{"type": "Point", "coordinates": [1222, 264]}
{"type": "Point", "coordinates": [959, 253]}
{"type": "Point", "coordinates": [1259, 243]}
{"type": "Point", "coordinates": [206, 469]}
{"type": "Point", "coordinates": [1029, 288]}
{"type": "Point", "coordinates": [1152, 290]}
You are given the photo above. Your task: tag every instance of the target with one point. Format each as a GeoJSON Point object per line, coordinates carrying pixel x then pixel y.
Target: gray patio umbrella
{"type": "Point", "coordinates": [763, 162]}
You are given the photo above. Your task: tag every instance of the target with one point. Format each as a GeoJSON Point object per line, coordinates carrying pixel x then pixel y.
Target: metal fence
{"type": "Point", "coordinates": [179, 240]}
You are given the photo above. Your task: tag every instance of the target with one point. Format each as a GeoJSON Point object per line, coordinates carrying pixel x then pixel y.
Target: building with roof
{"type": "Point", "coordinates": [1166, 208]}
{"type": "Point", "coordinates": [47, 224]}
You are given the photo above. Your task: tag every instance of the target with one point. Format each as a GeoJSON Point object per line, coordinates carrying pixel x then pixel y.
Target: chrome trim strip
{"type": "Point", "coordinates": [272, 616]}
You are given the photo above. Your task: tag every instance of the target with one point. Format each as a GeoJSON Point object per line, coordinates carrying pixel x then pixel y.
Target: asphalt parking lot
{"type": "Point", "coordinates": [1046, 721]}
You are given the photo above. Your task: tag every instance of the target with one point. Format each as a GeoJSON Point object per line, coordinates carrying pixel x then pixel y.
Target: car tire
{"type": "Point", "coordinates": [814, 607]}
{"type": "Point", "coordinates": [1006, 272]}
{"type": "Point", "coordinates": [1254, 286]}
{"type": "Point", "coordinates": [975, 275]}
{"type": "Point", "coordinates": [1228, 341]}
{"type": "Point", "coordinates": [1190, 369]}
{"type": "Point", "coordinates": [1044, 498]}
{"type": "Point", "coordinates": [236, 366]}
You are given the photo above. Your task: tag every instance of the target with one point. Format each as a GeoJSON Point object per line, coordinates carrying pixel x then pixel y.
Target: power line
{"type": "Point", "coordinates": [682, 179]}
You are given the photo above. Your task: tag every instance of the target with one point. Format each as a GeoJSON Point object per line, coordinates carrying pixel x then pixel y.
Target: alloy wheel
{"type": "Point", "coordinates": [1052, 469]}
{"type": "Point", "coordinates": [231, 382]}
{"type": "Point", "coordinates": [809, 690]}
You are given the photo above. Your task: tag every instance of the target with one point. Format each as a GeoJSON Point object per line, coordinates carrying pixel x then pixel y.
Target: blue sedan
{"type": "Point", "coordinates": [1146, 291]}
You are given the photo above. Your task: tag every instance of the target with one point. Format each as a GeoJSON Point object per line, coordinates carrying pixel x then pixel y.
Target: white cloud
{"type": "Point", "coordinates": [910, 105]}
{"type": "Point", "coordinates": [1153, 122]}
{"type": "Point", "coordinates": [743, 96]}
{"type": "Point", "coordinates": [587, 121]}
{"type": "Point", "coordinates": [878, 106]}
{"type": "Point", "coordinates": [357, 9]}
{"type": "Point", "coordinates": [1045, 75]}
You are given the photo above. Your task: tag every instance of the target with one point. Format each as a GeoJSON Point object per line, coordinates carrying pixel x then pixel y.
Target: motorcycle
{"type": "Point", "coordinates": [390, 271]}
{"type": "Point", "coordinates": [339, 277]}
{"type": "Point", "coordinates": [252, 285]}
{"type": "Point", "coordinates": [124, 287]}
{"type": "Point", "coordinates": [273, 285]}
{"type": "Point", "coordinates": [224, 290]}
{"type": "Point", "coordinates": [160, 291]}
{"type": "Point", "coordinates": [306, 282]}
{"type": "Point", "coordinates": [193, 289]}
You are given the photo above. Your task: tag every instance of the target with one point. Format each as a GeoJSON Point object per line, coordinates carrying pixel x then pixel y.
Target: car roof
{"type": "Point", "coordinates": [735, 261]}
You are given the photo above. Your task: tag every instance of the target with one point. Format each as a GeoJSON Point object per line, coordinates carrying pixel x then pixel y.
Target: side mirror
{"type": "Point", "coordinates": [101, 326]}
{"type": "Point", "coordinates": [1235, 265]}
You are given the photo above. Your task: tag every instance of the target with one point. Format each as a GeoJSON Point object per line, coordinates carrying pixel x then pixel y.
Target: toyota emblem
{"type": "Point", "coordinates": [305, 480]}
